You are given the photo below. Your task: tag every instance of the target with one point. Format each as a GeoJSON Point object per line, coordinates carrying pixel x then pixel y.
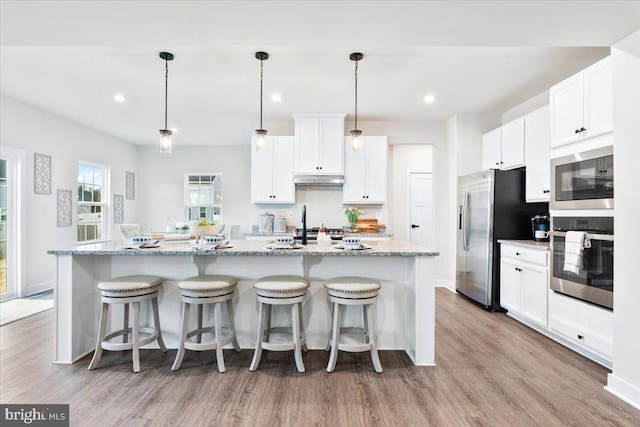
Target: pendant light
{"type": "Point", "coordinates": [356, 142]}
{"type": "Point", "coordinates": [165, 134]}
{"type": "Point", "coordinates": [261, 140]}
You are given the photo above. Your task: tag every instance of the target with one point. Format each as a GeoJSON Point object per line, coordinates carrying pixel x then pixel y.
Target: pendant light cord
{"type": "Point", "coordinates": [356, 74]}
{"type": "Point", "coordinates": [166, 90]}
{"type": "Point", "coordinates": [261, 93]}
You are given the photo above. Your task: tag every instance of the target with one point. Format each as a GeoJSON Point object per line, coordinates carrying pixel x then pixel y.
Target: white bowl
{"type": "Point", "coordinates": [284, 240]}
{"type": "Point", "coordinates": [213, 239]}
{"type": "Point", "coordinates": [141, 239]}
{"type": "Point", "coordinates": [350, 241]}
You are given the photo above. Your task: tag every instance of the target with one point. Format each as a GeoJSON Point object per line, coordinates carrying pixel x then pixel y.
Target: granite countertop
{"type": "Point", "coordinates": [250, 247]}
{"type": "Point", "coordinates": [532, 244]}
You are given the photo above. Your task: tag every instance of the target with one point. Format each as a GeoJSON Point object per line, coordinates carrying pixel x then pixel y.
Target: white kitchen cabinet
{"type": "Point", "coordinates": [524, 281]}
{"type": "Point", "coordinates": [583, 324]}
{"type": "Point", "coordinates": [272, 171]}
{"type": "Point", "coordinates": [503, 148]}
{"type": "Point", "coordinates": [536, 145]}
{"type": "Point", "coordinates": [512, 146]}
{"type": "Point", "coordinates": [365, 178]}
{"type": "Point", "coordinates": [492, 149]}
{"type": "Point", "coordinates": [318, 144]}
{"type": "Point", "coordinates": [582, 105]}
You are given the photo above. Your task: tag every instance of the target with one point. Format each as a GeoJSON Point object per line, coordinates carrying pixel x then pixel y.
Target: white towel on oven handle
{"type": "Point", "coordinates": [574, 244]}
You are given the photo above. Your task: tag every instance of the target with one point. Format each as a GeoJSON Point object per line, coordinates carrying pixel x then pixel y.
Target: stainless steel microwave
{"type": "Point", "coordinates": [583, 180]}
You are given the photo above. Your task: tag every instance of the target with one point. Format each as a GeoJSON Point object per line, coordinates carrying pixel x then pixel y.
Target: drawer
{"type": "Point", "coordinates": [533, 256]}
{"type": "Point", "coordinates": [581, 323]}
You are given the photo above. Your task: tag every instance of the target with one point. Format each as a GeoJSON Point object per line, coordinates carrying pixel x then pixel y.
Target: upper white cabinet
{"type": "Point", "coordinates": [582, 105]}
{"type": "Point", "coordinates": [536, 148]}
{"type": "Point", "coordinates": [365, 178]}
{"type": "Point", "coordinates": [319, 144]}
{"type": "Point", "coordinates": [492, 149]}
{"type": "Point", "coordinates": [272, 171]}
{"type": "Point", "coordinates": [503, 148]}
{"type": "Point", "coordinates": [513, 144]}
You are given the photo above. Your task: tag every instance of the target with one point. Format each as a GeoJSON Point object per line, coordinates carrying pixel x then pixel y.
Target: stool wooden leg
{"type": "Point", "coordinates": [267, 329]}
{"type": "Point", "coordinates": [125, 337]}
{"type": "Point", "coordinates": [304, 345]}
{"type": "Point", "coordinates": [257, 354]}
{"type": "Point", "coordinates": [297, 349]}
{"type": "Point", "coordinates": [104, 311]}
{"type": "Point", "coordinates": [232, 325]}
{"type": "Point", "coordinates": [156, 321]}
{"type": "Point", "coordinates": [200, 310]}
{"type": "Point", "coordinates": [183, 337]}
{"type": "Point", "coordinates": [218, 330]}
{"type": "Point", "coordinates": [372, 337]}
{"type": "Point", "coordinates": [365, 324]}
{"type": "Point", "coordinates": [136, 336]}
{"type": "Point", "coordinates": [335, 338]}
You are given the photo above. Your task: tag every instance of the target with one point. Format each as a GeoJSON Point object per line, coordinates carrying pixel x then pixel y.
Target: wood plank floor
{"type": "Point", "coordinates": [490, 371]}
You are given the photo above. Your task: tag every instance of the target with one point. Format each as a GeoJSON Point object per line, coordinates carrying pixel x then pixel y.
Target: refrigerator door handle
{"type": "Point", "coordinates": [465, 208]}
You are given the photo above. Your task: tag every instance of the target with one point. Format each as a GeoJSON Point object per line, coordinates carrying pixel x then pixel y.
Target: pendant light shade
{"type": "Point", "coordinates": [261, 133]}
{"type": "Point", "coordinates": [356, 142]}
{"type": "Point", "coordinates": [165, 134]}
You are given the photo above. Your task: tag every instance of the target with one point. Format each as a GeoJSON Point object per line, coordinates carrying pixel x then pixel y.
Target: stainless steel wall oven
{"type": "Point", "coordinates": [594, 281]}
{"type": "Point", "coordinates": [583, 180]}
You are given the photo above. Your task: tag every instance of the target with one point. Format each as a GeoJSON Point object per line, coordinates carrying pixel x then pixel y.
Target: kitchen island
{"type": "Point", "coordinates": [405, 306]}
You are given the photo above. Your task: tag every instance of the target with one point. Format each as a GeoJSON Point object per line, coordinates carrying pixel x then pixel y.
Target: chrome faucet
{"type": "Point", "coordinates": [304, 224]}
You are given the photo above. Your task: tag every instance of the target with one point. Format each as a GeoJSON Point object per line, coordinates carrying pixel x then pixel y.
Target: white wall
{"type": "Point", "coordinates": [162, 177]}
{"type": "Point", "coordinates": [624, 381]}
{"type": "Point", "coordinates": [32, 130]}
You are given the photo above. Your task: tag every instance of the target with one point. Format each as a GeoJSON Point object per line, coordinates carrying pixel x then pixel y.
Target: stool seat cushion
{"type": "Point", "coordinates": [209, 283]}
{"type": "Point", "coordinates": [130, 283]}
{"type": "Point", "coordinates": [352, 285]}
{"type": "Point", "coordinates": [282, 284]}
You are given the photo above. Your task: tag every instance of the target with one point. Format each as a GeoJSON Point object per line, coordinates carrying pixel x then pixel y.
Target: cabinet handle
{"type": "Point", "coordinates": [517, 253]}
{"type": "Point", "coordinates": [546, 191]}
{"type": "Point", "coordinates": [366, 197]}
{"type": "Point", "coordinates": [580, 337]}
{"type": "Point", "coordinates": [415, 226]}
{"type": "Point", "coordinates": [497, 164]}
{"type": "Point", "coordinates": [577, 131]}
{"type": "Point", "coordinates": [582, 129]}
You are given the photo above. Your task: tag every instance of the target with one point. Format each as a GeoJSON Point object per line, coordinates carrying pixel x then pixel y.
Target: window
{"type": "Point", "coordinates": [92, 201]}
{"type": "Point", "coordinates": [203, 197]}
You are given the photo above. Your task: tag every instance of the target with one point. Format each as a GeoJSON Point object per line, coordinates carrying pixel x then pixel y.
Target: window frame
{"type": "Point", "coordinates": [105, 202]}
{"type": "Point", "coordinates": [188, 205]}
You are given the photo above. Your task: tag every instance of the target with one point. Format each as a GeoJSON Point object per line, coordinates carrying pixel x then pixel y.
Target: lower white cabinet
{"type": "Point", "coordinates": [524, 281]}
{"type": "Point", "coordinates": [525, 293]}
{"type": "Point", "coordinates": [582, 324]}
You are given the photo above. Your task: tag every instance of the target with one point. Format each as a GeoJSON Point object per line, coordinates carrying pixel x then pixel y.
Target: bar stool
{"type": "Point", "coordinates": [201, 290]}
{"type": "Point", "coordinates": [344, 291]}
{"type": "Point", "coordinates": [128, 290]}
{"type": "Point", "coordinates": [280, 290]}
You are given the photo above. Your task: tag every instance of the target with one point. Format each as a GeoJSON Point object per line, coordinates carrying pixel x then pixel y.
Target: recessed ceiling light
{"type": "Point", "coordinates": [174, 130]}
{"type": "Point", "coordinates": [429, 99]}
{"type": "Point", "coordinates": [276, 97]}
{"type": "Point", "coordinates": [118, 97]}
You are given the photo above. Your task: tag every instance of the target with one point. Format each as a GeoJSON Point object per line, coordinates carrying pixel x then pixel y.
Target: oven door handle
{"type": "Point", "coordinates": [607, 237]}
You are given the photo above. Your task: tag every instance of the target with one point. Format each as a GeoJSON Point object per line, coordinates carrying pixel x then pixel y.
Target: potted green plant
{"type": "Point", "coordinates": [352, 215]}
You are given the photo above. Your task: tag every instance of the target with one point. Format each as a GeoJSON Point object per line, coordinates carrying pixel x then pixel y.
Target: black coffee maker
{"type": "Point", "coordinates": [540, 227]}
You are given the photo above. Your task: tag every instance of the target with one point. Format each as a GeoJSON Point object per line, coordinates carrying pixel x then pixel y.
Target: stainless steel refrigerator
{"type": "Point", "coordinates": [491, 206]}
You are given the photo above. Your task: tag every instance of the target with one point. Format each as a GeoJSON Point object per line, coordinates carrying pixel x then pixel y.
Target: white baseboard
{"type": "Point", "coordinates": [623, 390]}
{"type": "Point", "coordinates": [443, 283]}
{"type": "Point", "coordinates": [37, 288]}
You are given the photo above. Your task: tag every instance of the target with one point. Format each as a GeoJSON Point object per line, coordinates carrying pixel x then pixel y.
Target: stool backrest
{"type": "Point", "coordinates": [129, 230]}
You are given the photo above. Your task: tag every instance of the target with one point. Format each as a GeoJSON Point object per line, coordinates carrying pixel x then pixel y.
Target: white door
{"type": "Point", "coordinates": [354, 188]}
{"type": "Point", "coordinates": [420, 224]}
{"type": "Point", "coordinates": [11, 177]}
{"type": "Point", "coordinates": [598, 102]}
{"type": "Point", "coordinates": [492, 149]}
{"type": "Point", "coordinates": [510, 284]}
{"type": "Point", "coordinates": [537, 155]}
{"type": "Point", "coordinates": [262, 172]}
{"type": "Point", "coordinates": [567, 115]}
{"type": "Point", "coordinates": [375, 148]}
{"type": "Point", "coordinates": [283, 188]}
{"type": "Point", "coordinates": [512, 144]}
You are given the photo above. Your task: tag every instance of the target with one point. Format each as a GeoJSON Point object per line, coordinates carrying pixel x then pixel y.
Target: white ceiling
{"type": "Point", "coordinates": [477, 57]}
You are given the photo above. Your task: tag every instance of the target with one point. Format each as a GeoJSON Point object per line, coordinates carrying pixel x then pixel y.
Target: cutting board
{"type": "Point", "coordinates": [366, 225]}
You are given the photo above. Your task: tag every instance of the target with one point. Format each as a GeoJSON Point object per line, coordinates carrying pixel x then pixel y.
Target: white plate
{"type": "Point", "coordinates": [358, 247]}
{"type": "Point", "coordinates": [284, 247]}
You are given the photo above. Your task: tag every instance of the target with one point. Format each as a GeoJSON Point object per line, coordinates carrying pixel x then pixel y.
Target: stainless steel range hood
{"type": "Point", "coordinates": [323, 180]}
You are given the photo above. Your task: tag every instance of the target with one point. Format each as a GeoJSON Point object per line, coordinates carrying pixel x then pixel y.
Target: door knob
{"type": "Point", "coordinates": [415, 226]}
